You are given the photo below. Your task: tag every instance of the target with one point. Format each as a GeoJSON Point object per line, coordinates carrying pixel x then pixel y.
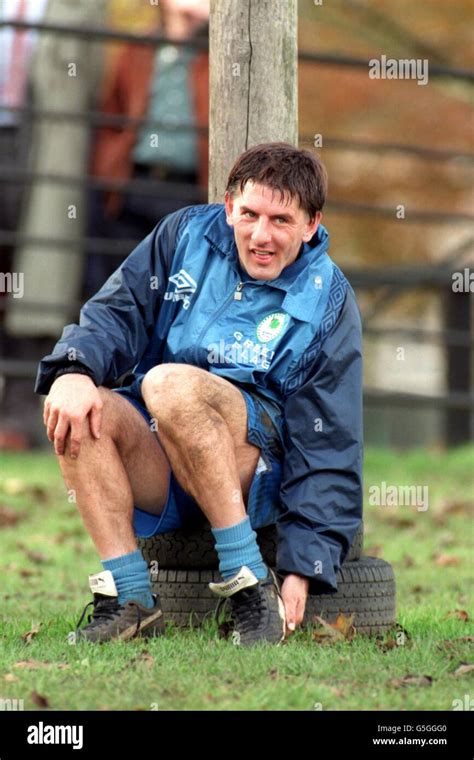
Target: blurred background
{"type": "Point", "coordinates": [103, 130]}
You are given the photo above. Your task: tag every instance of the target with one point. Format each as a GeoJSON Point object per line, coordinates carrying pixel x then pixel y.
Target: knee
{"type": "Point", "coordinates": [167, 386]}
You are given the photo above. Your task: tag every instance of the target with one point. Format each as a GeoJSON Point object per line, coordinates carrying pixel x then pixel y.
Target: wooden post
{"type": "Point", "coordinates": [253, 81]}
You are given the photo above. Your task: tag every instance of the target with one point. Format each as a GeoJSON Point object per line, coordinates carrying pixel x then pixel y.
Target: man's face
{"type": "Point", "coordinates": [269, 230]}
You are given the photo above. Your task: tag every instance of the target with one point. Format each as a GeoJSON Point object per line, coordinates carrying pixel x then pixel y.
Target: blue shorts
{"type": "Point", "coordinates": [264, 429]}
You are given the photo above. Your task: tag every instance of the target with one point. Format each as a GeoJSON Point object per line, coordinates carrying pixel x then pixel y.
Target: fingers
{"type": "Point", "coordinates": [290, 610]}
{"type": "Point", "coordinates": [51, 424]}
{"type": "Point", "coordinates": [291, 625]}
{"type": "Point", "coordinates": [295, 614]}
{"type": "Point", "coordinates": [60, 434]}
{"type": "Point", "coordinates": [96, 420]}
{"type": "Point", "coordinates": [76, 438]}
{"type": "Point", "coordinates": [295, 603]}
{"type": "Point", "coordinates": [46, 410]}
{"type": "Point", "coordinates": [299, 614]}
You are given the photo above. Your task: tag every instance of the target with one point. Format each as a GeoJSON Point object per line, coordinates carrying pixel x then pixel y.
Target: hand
{"type": "Point", "coordinates": [294, 591]}
{"type": "Point", "coordinates": [71, 398]}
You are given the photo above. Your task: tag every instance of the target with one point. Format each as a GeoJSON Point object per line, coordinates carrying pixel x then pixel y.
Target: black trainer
{"type": "Point", "coordinates": [111, 620]}
{"type": "Point", "coordinates": [257, 608]}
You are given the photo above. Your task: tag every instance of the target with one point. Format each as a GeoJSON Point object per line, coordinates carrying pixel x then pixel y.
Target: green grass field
{"type": "Point", "coordinates": [46, 556]}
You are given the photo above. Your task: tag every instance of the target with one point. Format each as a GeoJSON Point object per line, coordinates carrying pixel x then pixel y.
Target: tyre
{"type": "Point", "coordinates": [195, 548]}
{"type": "Point", "coordinates": [366, 588]}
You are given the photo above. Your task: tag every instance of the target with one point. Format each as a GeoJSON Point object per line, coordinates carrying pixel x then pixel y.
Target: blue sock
{"type": "Point", "coordinates": [131, 578]}
{"type": "Point", "coordinates": [237, 546]}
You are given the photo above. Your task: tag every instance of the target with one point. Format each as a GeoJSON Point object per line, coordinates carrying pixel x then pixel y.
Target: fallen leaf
{"type": "Point", "coordinates": [451, 508]}
{"type": "Point", "coordinates": [273, 673]}
{"type": "Point", "coordinates": [387, 644]}
{"type": "Point", "coordinates": [39, 699]}
{"type": "Point", "coordinates": [9, 517]}
{"type": "Point", "coordinates": [446, 560]}
{"type": "Point", "coordinates": [410, 680]}
{"type": "Point", "coordinates": [37, 557]}
{"type": "Point", "coordinates": [26, 573]}
{"type": "Point", "coordinates": [33, 556]}
{"type": "Point", "coordinates": [342, 630]}
{"type": "Point", "coordinates": [463, 669]}
{"type": "Point", "coordinates": [400, 522]}
{"type": "Point", "coordinates": [36, 664]}
{"type": "Point", "coordinates": [447, 644]}
{"type": "Point", "coordinates": [10, 677]}
{"type": "Point", "coordinates": [39, 494]}
{"type": "Point", "coordinates": [345, 624]}
{"type": "Point", "coordinates": [452, 643]}
{"type": "Point", "coordinates": [67, 535]}
{"type": "Point", "coordinates": [30, 664]}
{"type": "Point", "coordinates": [27, 637]}
{"type": "Point", "coordinates": [395, 637]}
{"type": "Point", "coordinates": [461, 614]}
{"type": "Point", "coordinates": [145, 658]}
{"type": "Point", "coordinates": [328, 634]}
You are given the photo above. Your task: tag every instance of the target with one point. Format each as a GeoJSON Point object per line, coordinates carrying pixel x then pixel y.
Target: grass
{"type": "Point", "coordinates": [46, 556]}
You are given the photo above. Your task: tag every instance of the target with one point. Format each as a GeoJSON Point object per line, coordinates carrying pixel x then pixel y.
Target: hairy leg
{"type": "Point", "coordinates": [202, 426]}
{"type": "Point", "coordinates": [126, 466]}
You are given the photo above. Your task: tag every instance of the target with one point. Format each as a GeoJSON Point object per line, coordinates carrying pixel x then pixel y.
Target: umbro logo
{"type": "Point", "coordinates": [184, 282]}
{"type": "Point", "coordinates": [185, 286]}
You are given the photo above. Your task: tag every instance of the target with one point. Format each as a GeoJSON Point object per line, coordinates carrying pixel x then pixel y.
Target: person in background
{"type": "Point", "coordinates": [169, 86]}
{"type": "Point", "coordinates": [16, 50]}
{"type": "Point", "coordinates": [64, 76]}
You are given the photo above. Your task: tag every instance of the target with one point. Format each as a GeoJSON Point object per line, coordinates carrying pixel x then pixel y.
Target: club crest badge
{"type": "Point", "coordinates": [271, 327]}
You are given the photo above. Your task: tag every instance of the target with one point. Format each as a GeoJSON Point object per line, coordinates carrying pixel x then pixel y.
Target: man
{"type": "Point", "coordinates": [244, 407]}
{"type": "Point", "coordinates": [168, 86]}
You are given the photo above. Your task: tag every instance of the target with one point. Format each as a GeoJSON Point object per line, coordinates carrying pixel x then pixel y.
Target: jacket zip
{"type": "Point", "coordinates": [236, 292]}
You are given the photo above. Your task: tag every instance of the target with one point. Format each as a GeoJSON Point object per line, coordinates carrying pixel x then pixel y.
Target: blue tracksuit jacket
{"type": "Point", "coordinates": [180, 297]}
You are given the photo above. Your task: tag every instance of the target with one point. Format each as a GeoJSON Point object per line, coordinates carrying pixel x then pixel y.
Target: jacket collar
{"type": "Point", "coordinates": [303, 281]}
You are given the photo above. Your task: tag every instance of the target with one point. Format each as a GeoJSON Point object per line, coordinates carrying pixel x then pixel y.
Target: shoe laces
{"type": "Point", "coordinates": [105, 610]}
{"type": "Point", "coordinates": [247, 607]}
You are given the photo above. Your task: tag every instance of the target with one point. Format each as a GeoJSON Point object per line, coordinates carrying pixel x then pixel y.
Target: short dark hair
{"type": "Point", "coordinates": [284, 168]}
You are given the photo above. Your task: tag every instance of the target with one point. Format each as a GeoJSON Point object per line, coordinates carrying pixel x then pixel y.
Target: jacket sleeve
{"type": "Point", "coordinates": [116, 324]}
{"type": "Point", "coordinates": [321, 491]}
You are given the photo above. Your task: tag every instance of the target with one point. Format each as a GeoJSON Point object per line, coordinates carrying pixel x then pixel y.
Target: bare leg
{"type": "Point", "coordinates": [202, 426]}
{"type": "Point", "coordinates": [126, 466]}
